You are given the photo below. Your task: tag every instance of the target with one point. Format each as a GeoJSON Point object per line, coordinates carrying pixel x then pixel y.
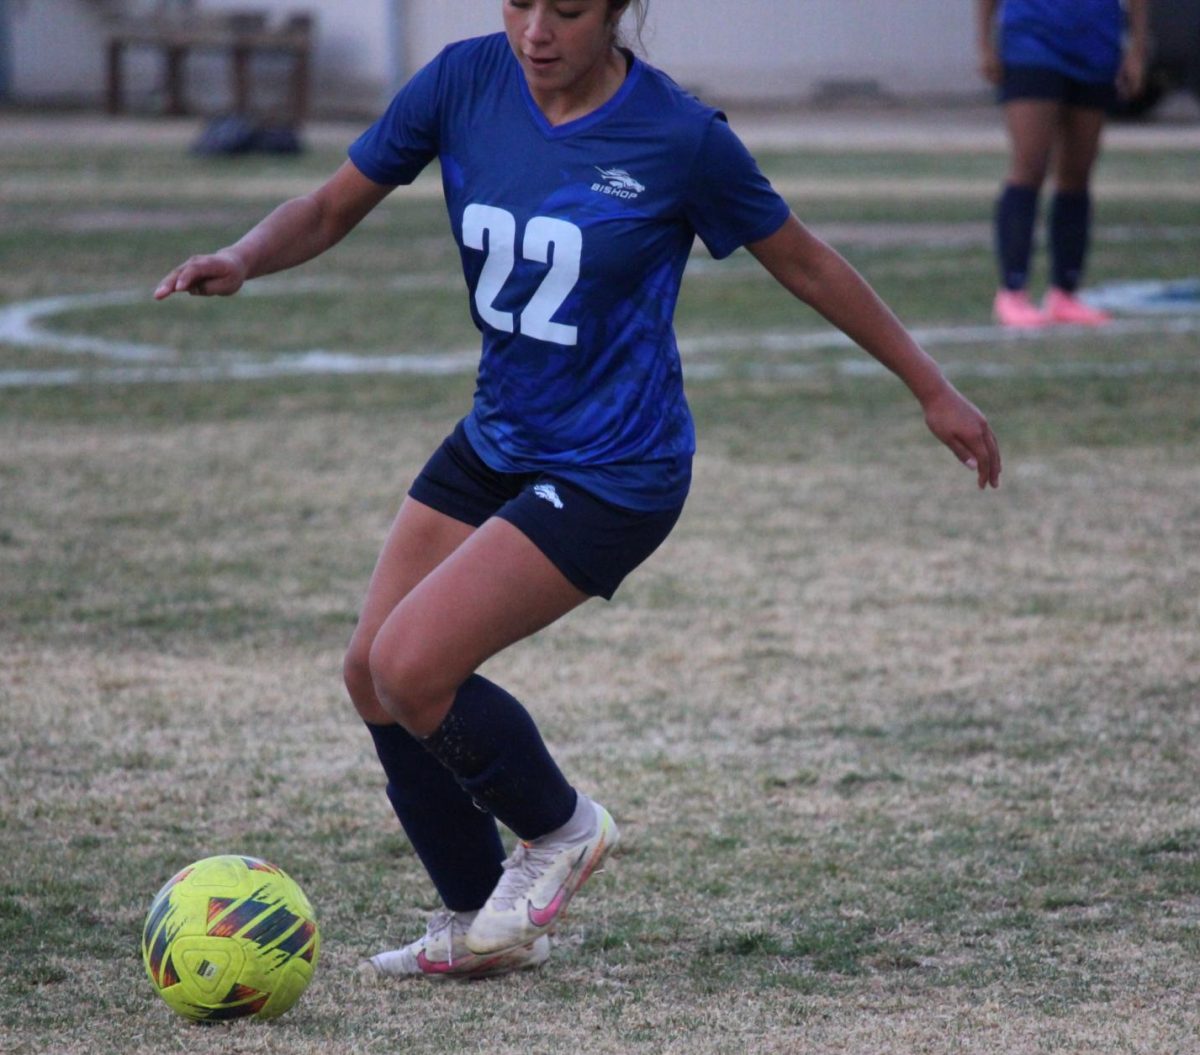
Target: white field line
{"type": "Point", "coordinates": [19, 326]}
{"type": "Point", "coordinates": [776, 342]}
{"type": "Point", "coordinates": [139, 363]}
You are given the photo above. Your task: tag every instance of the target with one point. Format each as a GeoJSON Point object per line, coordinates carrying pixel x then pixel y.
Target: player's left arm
{"type": "Point", "coordinates": [1131, 77]}
{"type": "Point", "coordinates": [815, 273]}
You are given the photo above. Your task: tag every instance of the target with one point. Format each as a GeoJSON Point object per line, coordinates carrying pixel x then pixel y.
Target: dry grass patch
{"type": "Point", "coordinates": [902, 767]}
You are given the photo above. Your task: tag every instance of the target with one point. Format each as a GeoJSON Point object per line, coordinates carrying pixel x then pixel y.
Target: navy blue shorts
{"type": "Point", "coordinates": [594, 543]}
{"type": "Point", "coordinates": [1041, 82]}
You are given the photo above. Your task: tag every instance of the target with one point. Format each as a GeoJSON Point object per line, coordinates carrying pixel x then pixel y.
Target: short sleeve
{"type": "Point", "coordinates": [728, 201]}
{"type": "Point", "coordinates": [407, 137]}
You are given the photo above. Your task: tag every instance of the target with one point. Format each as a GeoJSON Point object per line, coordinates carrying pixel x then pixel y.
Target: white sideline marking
{"type": "Point", "coordinates": [932, 337]}
{"type": "Point", "coordinates": [1181, 297]}
{"type": "Point", "coordinates": [20, 326]}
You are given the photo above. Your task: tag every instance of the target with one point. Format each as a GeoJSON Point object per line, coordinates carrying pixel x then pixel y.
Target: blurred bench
{"type": "Point", "coordinates": [242, 35]}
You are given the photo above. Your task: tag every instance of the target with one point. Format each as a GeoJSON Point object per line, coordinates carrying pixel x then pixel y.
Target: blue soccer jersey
{"type": "Point", "coordinates": [1079, 38]}
{"type": "Point", "coordinates": [574, 240]}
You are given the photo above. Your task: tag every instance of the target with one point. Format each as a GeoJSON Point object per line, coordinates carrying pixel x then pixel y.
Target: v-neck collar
{"type": "Point", "coordinates": [578, 124]}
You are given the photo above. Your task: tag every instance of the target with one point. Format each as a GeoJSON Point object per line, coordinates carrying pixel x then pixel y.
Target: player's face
{"type": "Point", "coordinates": [562, 45]}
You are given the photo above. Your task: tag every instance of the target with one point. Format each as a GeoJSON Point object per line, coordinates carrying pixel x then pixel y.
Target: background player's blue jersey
{"type": "Point", "coordinates": [1080, 38]}
{"type": "Point", "coordinates": [574, 240]}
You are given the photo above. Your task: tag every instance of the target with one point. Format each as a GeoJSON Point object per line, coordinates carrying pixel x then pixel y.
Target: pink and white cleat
{"type": "Point", "coordinates": [442, 953]}
{"type": "Point", "coordinates": [539, 881]}
{"type": "Point", "coordinates": [1067, 309]}
{"type": "Point", "coordinates": [1012, 308]}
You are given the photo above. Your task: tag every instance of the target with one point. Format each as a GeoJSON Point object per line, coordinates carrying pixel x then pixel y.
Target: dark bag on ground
{"type": "Point", "coordinates": [236, 134]}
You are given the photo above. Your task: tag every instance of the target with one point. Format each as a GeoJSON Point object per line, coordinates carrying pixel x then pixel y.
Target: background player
{"type": "Point", "coordinates": [576, 179]}
{"type": "Point", "coordinates": [1058, 66]}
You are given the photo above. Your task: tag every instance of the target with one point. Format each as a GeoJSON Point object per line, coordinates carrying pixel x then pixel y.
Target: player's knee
{"type": "Point", "coordinates": [356, 674]}
{"type": "Point", "coordinates": [1072, 181]}
{"type": "Point", "coordinates": [1027, 172]}
{"type": "Point", "coordinates": [409, 683]}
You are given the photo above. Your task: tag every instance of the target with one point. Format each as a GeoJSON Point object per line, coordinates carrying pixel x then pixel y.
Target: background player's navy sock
{"type": "Point", "coordinates": [1016, 214]}
{"type": "Point", "coordinates": [491, 744]}
{"type": "Point", "coordinates": [458, 843]}
{"type": "Point", "coordinates": [1070, 224]}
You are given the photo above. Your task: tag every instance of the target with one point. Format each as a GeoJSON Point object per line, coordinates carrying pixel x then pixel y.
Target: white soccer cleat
{"type": "Point", "coordinates": [538, 883]}
{"type": "Point", "coordinates": [442, 953]}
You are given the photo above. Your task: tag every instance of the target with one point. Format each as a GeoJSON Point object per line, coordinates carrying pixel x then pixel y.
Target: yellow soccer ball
{"type": "Point", "coordinates": [230, 937]}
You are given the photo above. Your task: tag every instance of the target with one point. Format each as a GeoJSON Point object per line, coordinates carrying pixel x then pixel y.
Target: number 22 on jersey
{"type": "Point", "coordinates": [494, 231]}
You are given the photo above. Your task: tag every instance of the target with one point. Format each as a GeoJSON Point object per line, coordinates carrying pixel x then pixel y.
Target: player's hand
{"type": "Point", "coordinates": [1131, 77]}
{"type": "Point", "coordinates": [958, 423]}
{"type": "Point", "coordinates": [211, 275]}
{"type": "Point", "coordinates": [991, 69]}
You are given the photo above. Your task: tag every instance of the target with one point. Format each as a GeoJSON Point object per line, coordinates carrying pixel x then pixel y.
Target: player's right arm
{"type": "Point", "coordinates": [296, 231]}
{"type": "Point", "coordinates": [985, 34]}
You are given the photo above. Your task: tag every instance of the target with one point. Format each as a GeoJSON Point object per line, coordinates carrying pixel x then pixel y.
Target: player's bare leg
{"type": "Point", "coordinates": [494, 590]}
{"type": "Point", "coordinates": [419, 540]}
{"type": "Point", "coordinates": [1031, 125]}
{"type": "Point", "coordinates": [1080, 130]}
{"type": "Point", "coordinates": [459, 845]}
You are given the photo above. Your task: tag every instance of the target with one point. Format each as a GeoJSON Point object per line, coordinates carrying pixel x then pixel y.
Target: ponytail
{"type": "Point", "coordinates": [617, 9]}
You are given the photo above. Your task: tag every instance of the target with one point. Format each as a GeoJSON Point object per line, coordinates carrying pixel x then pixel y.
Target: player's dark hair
{"type": "Point", "coordinates": [618, 8]}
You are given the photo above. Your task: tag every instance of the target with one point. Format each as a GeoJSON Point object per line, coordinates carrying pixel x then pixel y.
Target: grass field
{"type": "Point", "coordinates": [902, 767]}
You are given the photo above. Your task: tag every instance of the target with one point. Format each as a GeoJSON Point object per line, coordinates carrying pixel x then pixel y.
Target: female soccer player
{"type": "Point", "coordinates": [1058, 66]}
{"type": "Point", "coordinates": [576, 178]}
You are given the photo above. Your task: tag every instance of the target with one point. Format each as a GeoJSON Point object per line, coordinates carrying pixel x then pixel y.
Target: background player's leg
{"type": "Point", "coordinates": [1080, 131]}
{"type": "Point", "coordinates": [458, 844]}
{"type": "Point", "coordinates": [1031, 125]}
{"type": "Point", "coordinates": [1071, 213]}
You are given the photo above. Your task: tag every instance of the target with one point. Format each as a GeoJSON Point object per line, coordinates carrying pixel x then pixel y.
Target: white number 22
{"type": "Point", "coordinates": [542, 233]}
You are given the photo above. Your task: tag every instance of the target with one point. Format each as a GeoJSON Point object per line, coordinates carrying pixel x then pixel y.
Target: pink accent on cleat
{"type": "Point", "coordinates": [475, 966]}
{"type": "Point", "coordinates": [1066, 308]}
{"type": "Point", "coordinates": [1014, 309]}
{"type": "Point", "coordinates": [442, 953]}
{"type": "Point", "coordinates": [540, 878]}
{"type": "Point", "coordinates": [543, 917]}
{"type": "Point", "coordinates": [583, 867]}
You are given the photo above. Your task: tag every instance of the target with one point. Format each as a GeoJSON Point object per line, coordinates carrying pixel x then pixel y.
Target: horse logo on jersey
{"type": "Point", "coordinates": [618, 183]}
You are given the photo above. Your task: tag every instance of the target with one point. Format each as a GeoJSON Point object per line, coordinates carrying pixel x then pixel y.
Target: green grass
{"type": "Point", "coordinates": [900, 766]}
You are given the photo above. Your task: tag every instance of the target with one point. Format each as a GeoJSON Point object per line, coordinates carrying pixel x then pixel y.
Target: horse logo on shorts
{"type": "Point", "coordinates": [547, 492]}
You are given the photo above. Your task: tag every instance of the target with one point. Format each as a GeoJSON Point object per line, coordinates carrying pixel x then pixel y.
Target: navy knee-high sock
{"type": "Point", "coordinates": [1016, 215]}
{"type": "Point", "coordinates": [491, 744]}
{"type": "Point", "coordinates": [1070, 225]}
{"type": "Point", "coordinates": [457, 842]}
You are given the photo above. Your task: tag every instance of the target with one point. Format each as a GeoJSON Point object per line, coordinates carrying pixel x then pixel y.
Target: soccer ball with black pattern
{"type": "Point", "coordinates": [230, 937]}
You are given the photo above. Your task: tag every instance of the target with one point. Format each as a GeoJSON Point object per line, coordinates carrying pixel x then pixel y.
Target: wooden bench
{"type": "Point", "coordinates": [243, 36]}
